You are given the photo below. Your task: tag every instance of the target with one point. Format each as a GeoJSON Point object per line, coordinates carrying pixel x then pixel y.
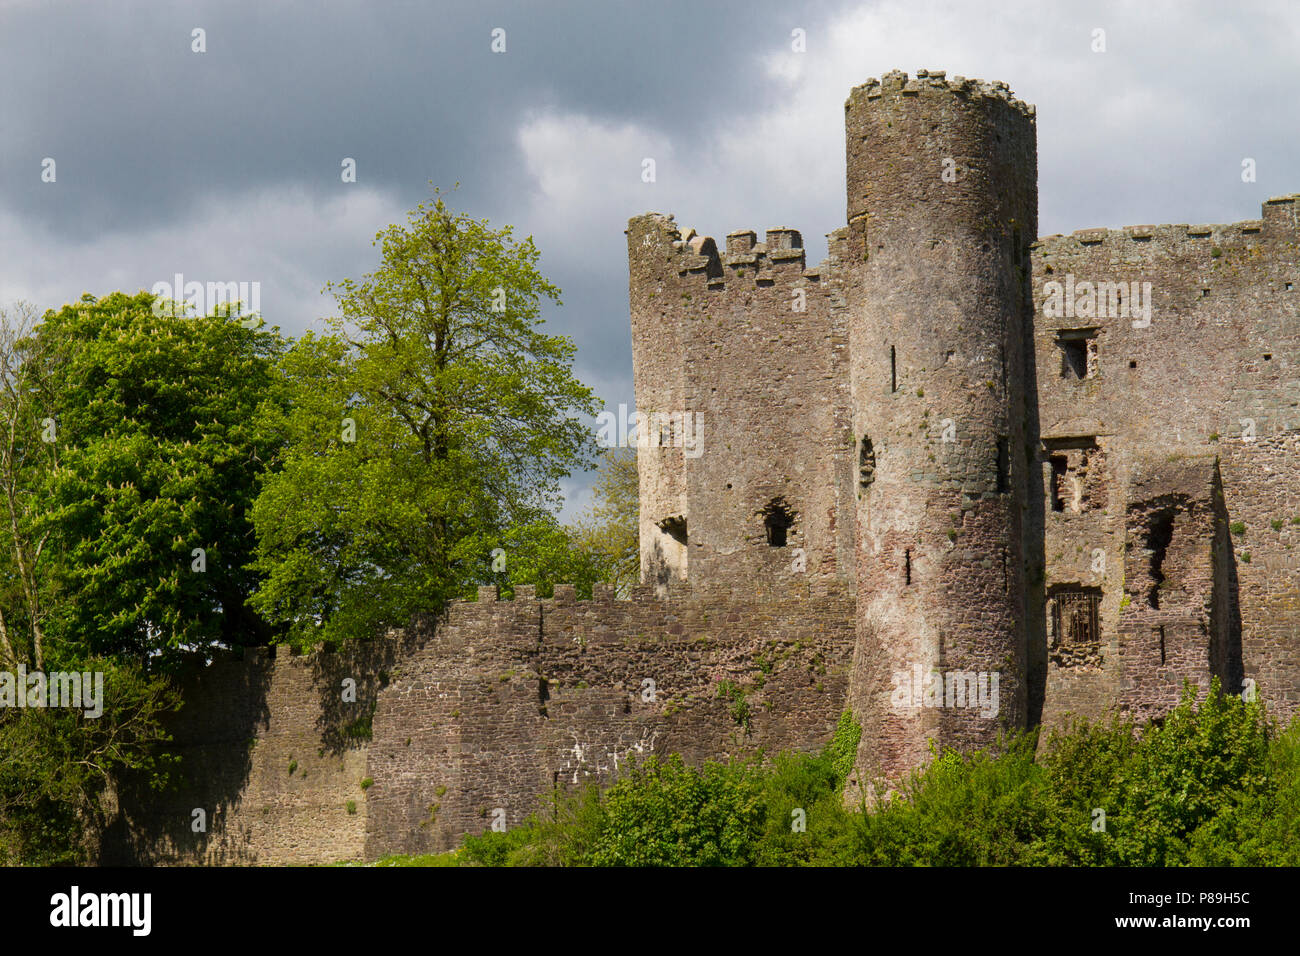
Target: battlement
{"type": "Point", "coordinates": [746, 262]}
{"type": "Point", "coordinates": [1277, 223]}
{"type": "Point", "coordinates": [898, 83]}
{"type": "Point", "coordinates": [564, 595]}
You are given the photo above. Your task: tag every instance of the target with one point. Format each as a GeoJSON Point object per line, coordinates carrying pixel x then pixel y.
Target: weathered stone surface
{"type": "Point", "coordinates": [911, 459]}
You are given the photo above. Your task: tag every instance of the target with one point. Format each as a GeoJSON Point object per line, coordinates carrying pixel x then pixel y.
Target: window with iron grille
{"type": "Point", "coordinates": [1075, 617]}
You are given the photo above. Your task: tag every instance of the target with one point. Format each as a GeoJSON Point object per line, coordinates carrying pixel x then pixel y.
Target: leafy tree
{"type": "Point", "coordinates": [1261, 824]}
{"type": "Point", "coordinates": [159, 450]}
{"type": "Point", "coordinates": [432, 423]}
{"type": "Point", "coordinates": [58, 764]}
{"type": "Point", "coordinates": [545, 553]}
{"type": "Point", "coordinates": [980, 809]}
{"type": "Point", "coordinates": [124, 442]}
{"type": "Point", "coordinates": [26, 454]}
{"type": "Point", "coordinates": [611, 532]}
{"type": "Point", "coordinates": [667, 814]}
{"type": "Point", "coordinates": [1194, 765]}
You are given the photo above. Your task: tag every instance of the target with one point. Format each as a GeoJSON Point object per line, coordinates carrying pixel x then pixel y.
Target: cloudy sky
{"type": "Point", "coordinates": [225, 165]}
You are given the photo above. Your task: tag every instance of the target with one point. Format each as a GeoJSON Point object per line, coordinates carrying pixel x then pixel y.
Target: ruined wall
{"type": "Point", "coordinates": [512, 699]}
{"type": "Point", "coordinates": [747, 342]}
{"type": "Point", "coordinates": [942, 207]}
{"type": "Point", "coordinates": [271, 753]}
{"type": "Point", "coordinates": [494, 707]}
{"type": "Point", "coordinates": [1094, 501]}
{"type": "Point", "coordinates": [1159, 343]}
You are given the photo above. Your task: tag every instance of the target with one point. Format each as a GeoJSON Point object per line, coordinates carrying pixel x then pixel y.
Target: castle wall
{"type": "Point", "coordinates": [1093, 502]}
{"type": "Point", "coordinates": [1211, 370]}
{"type": "Point", "coordinates": [512, 700]}
{"type": "Point", "coordinates": [272, 755]}
{"type": "Point", "coordinates": [762, 355]}
{"type": "Point", "coordinates": [495, 707]}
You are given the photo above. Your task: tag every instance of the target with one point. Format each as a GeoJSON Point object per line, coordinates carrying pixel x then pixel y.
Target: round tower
{"type": "Point", "coordinates": [942, 208]}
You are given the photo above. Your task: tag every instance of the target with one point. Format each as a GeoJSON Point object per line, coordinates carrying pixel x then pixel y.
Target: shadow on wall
{"type": "Point", "coordinates": [1225, 641]}
{"type": "Point", "coordinates": [350, 683]}
{"type": "Point", "coordinates": [658, 572]}
{"type": "Point", "coordinates": [214, 733]}
{"type": "Point", "coordinates": [1033, 531]}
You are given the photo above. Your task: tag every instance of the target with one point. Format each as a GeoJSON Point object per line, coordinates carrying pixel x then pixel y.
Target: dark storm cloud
{"type": "Point", "coordinates": [142, 128]}
{"type": "Point", "coordinates": [225, 165]}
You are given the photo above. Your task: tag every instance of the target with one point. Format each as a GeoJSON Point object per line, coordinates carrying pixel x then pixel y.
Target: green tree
{"type": "Point", "coordinates": [432, 422]}
{"type": "Point", "coordinates": [124, 440]}
{"type": "Point", "coordinates": [159, 450]}
{"type": "Point", "coordinates": [58, 764]}
{"type": "Point", "coordinates": [26, 455]}
{"type": "Point", "coordinates": [611, 532]}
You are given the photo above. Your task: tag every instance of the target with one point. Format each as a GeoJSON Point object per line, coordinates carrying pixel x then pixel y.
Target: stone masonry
{"type": "Point", "coordinates": [957, 479]}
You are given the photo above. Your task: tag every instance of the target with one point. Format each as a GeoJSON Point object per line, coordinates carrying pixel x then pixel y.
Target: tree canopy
{"type": "Point", "coordinates": [429, 428]}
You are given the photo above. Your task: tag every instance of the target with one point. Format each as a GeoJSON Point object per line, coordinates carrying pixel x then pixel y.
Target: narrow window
{"type": "Point", "coordinates": [893, 370]}
{"type": "Point", "coordinates": [1004, 465]}
{"type": "Point", "coordinates": [907, 566]}
{"type": "Point", "coordinates": [866, 462]}
{"type": "Point", "coordinates": [1160, 634]}
{"type": "Point", "coordinates": [1075, 362]}
{"type": "Point", "coordinates": [1078, 353]}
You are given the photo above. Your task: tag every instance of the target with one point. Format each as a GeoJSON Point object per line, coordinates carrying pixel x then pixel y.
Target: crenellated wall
{"type": "Point", "coordinates": [490, 709]}
{"type": "Point", "coordinates": [750, 343]}
{"type": "Point", "coordinates": [1183, 345]}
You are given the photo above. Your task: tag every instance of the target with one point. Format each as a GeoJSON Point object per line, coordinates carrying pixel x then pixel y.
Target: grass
{"type": "Point", "coordinates": [450, 858]}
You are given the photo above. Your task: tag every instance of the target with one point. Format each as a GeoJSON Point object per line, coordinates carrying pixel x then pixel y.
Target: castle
{"type": "Point", "coordinates": [957, 479]}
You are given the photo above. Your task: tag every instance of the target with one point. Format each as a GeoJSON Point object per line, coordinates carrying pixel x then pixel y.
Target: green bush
{"type": "Point", "coordinates": [1210, 784]}
{"type": "Point", "coordinates": [960, 810]}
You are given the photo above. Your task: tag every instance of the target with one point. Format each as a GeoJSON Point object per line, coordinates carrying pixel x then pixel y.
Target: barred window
{"type": "Point", "coordinates": [1075, 617]}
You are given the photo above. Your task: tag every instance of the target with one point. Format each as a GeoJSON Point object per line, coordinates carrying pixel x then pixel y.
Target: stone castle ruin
{"type": "Point", "coordinates": [957, 479]}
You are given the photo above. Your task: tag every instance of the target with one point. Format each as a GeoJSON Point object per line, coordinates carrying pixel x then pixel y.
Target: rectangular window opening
{"type": "Point", "coordinates": [1059, 467]}
{"type": "Point", "coordinates": [1078, 353]}
{"type": "Point", "coordinates": [1075, 616]}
